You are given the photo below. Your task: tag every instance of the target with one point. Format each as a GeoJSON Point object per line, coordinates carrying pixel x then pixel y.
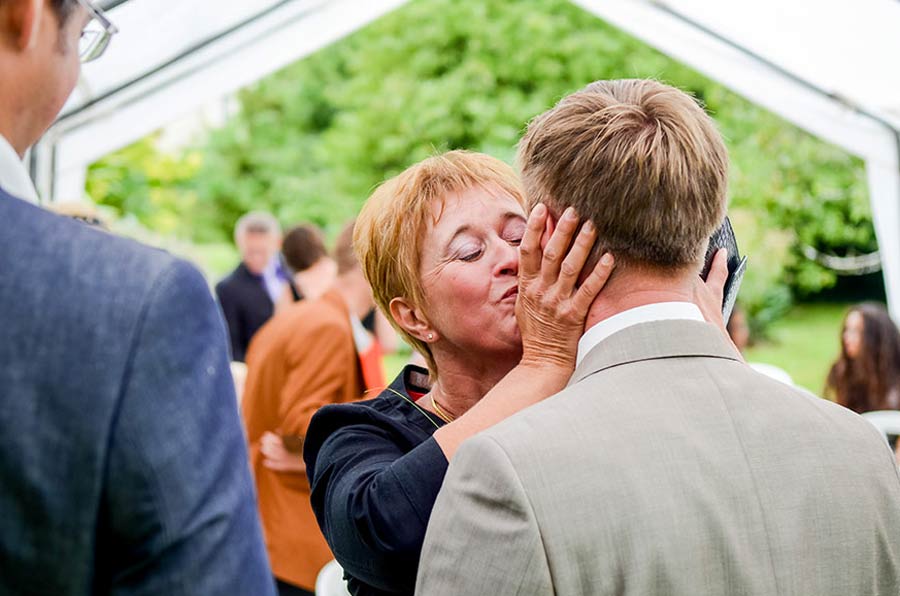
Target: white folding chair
{"type": "Point", "coordinates": [887, 421]}
{"type": "Point", "coordinates": [330, 581]}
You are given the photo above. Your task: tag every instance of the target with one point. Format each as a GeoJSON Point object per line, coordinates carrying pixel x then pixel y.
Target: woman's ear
{"type": "Point", "coordinates": [412, 320]}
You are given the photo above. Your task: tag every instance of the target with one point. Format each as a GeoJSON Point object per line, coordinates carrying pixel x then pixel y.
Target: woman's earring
{"type": "Point", "coordinates": [430, 336]}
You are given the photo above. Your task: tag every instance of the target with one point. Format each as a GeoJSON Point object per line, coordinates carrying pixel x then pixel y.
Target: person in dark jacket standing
{"type": "Point", "coordinates": [249, 294]}
{"type": "Point", "coordinates": [121, 453]}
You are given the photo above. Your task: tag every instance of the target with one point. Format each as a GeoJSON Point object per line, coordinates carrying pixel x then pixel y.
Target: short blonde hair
{"type": "Point", "coordinates": [390, 228]}
{"type": "Point", "coordinates": [641, 160]}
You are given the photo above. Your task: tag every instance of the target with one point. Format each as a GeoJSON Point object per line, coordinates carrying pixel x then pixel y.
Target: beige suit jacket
{"type": "Point", "coordinates": [669, 467]}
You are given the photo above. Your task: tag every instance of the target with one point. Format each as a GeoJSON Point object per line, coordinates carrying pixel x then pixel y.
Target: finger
{"type": "Point", "coordinates": [530, 247]}
{"type": "Point", "coordinates": [594, 283]}
{"type": "Point", "coordinates": [718, 272]}
{"type": "Point", "coordinates": [274, 465]}
{"type": "Point", "coordinates": [558, 246]}
{"type": "Point", "coordinates": [269, 450]}
{"type": "Point", "coordinates": [574, 262]}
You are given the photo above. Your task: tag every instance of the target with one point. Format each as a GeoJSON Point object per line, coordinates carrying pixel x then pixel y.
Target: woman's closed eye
{"type": "Point", "coordinates": [470, 254]}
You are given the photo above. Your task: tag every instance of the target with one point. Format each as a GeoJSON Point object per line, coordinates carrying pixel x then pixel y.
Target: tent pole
{"type": "Point", "coordinates": [884, 195]}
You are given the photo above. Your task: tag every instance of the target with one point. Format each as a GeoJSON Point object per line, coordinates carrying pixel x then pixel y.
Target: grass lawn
{"type": "Point", "coordinates": [804, 343]}
{"type": "Point", "coordinates": [394, 363]}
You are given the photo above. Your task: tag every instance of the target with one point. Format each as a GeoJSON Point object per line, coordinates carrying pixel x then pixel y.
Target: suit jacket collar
{"type": "Point", "coordinates": [656, 340]}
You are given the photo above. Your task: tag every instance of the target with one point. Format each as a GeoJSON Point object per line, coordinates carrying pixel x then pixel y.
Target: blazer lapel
{"type": "Point", "coordinates": [655, 340]}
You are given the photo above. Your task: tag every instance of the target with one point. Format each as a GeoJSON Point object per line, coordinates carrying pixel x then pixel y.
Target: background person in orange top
{"type": "Point", "coordinates": [301, 360]}
{"type": "Point", "coordinates": [314, 271]}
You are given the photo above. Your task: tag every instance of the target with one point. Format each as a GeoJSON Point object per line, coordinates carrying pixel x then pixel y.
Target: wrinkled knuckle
{"type": "Point", "coordinates": [551, 255]}
{"type": "Point", "coordinates": [568, 269]}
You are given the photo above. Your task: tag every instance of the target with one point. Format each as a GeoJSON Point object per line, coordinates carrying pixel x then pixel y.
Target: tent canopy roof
{"type": "Point", "coordinates": [848, 50]}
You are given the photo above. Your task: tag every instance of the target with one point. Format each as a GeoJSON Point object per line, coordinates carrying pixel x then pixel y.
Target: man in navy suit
{"type": "Point", "coordinates": [122, 464]}
{"type": "Point", "coordinates": [249, 294]}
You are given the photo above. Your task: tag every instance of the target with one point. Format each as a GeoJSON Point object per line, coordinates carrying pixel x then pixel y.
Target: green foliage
{"type": "Point", "coordinates": [149, 185]}
{"type": "Point", "coordinates": [311, 142]}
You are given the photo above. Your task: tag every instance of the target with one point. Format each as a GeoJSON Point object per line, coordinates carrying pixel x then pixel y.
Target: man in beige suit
{"type": "Point", "coordinates": [667, 466]}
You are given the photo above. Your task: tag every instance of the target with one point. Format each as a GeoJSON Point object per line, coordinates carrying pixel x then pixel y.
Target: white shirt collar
{"type": "Point", "coordinates": [273, 282]}
{"type": "Point", "coordinates": [661, 311]}
{"type": "Point", "coordinates": [14, 177]}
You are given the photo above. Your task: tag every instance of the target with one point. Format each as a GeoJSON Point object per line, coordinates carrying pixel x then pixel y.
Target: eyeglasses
{"type": "Point", "coordinates": [96, 34]}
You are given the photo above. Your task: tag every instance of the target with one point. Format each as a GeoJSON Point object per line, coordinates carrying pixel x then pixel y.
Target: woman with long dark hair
{"type": "Point", "coordinates": [866, 376]}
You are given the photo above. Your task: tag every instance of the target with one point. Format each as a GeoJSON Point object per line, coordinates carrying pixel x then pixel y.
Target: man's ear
{"type": "Point", "coordinates": [21, 21]}
{"type": "Point", "coordinates": [549, 228]}
{"type": "Point", "coordinates": [411, 320]}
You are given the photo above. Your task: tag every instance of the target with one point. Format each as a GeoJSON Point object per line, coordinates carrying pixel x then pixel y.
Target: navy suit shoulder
{"type": "Point", "coordinates": [114, 382]}
{"type": "Point", "coordinates": [246, 306]}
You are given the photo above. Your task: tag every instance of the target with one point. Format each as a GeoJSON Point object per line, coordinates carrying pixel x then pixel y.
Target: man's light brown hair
{"type": "Point", "coordinates": [641, 160]}
{"type": "Point", "coordinates": [391, 227]}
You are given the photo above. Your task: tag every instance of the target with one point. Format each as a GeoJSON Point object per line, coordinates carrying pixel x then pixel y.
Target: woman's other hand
{"type": "Point", "coordinates": [551, 307]}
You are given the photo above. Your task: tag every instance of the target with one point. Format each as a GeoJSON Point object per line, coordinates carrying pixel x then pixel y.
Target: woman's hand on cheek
{"type": "Point", "coordinates": [550, 309]}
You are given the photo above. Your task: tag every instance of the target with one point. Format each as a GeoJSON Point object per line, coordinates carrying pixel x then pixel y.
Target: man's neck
{"type": "Point", "coordinates": [634, 288]}
{"type": "Point", "coordinates": [13, 127]}
{"type": "Point", "coordinates": [316, 280]}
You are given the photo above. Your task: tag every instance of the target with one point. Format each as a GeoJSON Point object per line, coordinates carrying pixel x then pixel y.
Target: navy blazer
{"type": "Point", "coordinates": [246, 305]}
{"type": "Point", "coordinates": [123, 468]}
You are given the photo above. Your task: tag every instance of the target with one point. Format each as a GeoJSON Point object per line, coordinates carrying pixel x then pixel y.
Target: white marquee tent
{"type": "Point", "coordinates": [829, 66]}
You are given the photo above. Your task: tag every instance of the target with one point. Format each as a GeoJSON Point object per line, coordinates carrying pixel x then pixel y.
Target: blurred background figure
{"type": "Point", "coordinates": [248, 295]}
{"type": "Point", "coordinates": [313, 272]}
{"type": "Point", "coordinates": [866, 375]}
{"type": "Point", "coordinates": [306, 257]}
{"type": "Point", "coordinates": [739, 331]}
{"type": "Point", "coordinates": [301, 360]}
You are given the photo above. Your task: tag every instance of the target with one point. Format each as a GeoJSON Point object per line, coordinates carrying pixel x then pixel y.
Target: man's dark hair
{"type": "Point", "coordinates": [302, 247]}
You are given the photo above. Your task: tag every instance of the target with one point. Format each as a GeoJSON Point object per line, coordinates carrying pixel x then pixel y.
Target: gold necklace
{"type": "Point", "coordinates": [413, 404]}
{"type": "Point", "coordinates": [440, 412]}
